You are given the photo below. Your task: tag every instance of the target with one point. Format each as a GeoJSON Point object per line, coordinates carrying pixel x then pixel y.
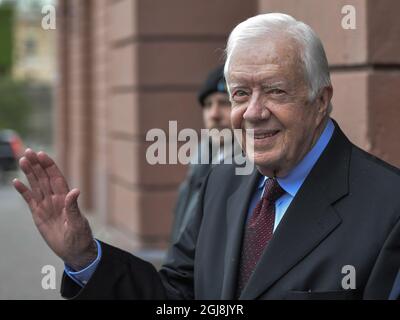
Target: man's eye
{"type": "Point", "coordinates": [239, 93]}
{"type": "Point", "coordinates": [225, 103]}
{"type": "Point", "coordinates": [276, 91]}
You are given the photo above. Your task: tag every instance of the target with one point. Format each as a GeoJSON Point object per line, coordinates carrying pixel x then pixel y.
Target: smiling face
{"type": "Point", "coordinates": [270, 94]}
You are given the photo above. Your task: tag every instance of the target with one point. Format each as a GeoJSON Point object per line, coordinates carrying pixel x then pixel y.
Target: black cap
{"type": "Point", "coordinates": [215, 82]}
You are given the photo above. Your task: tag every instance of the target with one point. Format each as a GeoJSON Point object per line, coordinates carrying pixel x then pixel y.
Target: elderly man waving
{"type": "Point", "coordinates": [317, 219]}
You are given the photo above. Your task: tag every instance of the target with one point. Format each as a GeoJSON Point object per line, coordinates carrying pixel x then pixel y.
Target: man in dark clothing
{"type": "Point", "coordinates": [214, 100]}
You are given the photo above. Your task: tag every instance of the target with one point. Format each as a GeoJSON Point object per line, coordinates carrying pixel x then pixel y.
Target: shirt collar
{"type": "Point", "coordinates": [293, 181]}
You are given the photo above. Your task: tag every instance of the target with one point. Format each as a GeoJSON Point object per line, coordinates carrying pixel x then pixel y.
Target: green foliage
{"type": "Point", "coordinates": [6, 38]}
{"type": "Point", "coordinates": [15, 108]}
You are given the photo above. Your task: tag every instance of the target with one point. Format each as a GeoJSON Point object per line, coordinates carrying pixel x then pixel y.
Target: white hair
{"type": "Point", "coordinates": [312, 54]}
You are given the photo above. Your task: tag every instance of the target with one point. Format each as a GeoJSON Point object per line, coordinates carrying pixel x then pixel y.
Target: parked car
{"type": "Point", "coordinates": [11, 149]}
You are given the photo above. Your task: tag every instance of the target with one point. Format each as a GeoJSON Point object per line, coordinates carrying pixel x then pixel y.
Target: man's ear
{"type": "Point", "coordinates": [323, 100]}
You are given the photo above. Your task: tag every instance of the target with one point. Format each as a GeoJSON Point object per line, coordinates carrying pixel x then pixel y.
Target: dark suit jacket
{"type": "Point", "coordinates": [346, 213]}
{"type": "Point", "coordinates": [189, 191]}
{"type": "Point", "coordinates": [188, 196]}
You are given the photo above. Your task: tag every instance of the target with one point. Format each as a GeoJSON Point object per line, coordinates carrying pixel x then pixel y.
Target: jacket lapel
{"type": "Point", "coordinates": [309, 219]}
{"type": "Point", "coordinates": [237, 206]}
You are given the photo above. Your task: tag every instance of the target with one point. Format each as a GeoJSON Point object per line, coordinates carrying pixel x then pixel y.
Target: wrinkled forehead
{"type": "Point", "coordinates": [273, 58]}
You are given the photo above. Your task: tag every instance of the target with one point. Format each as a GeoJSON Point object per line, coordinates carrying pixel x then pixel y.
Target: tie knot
{"type": "Point", "coordinates": [273, 191]}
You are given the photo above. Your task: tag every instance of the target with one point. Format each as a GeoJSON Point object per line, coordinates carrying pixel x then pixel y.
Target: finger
{"type": "Point", "coordinates": [25, 193]}
{"type": "Point", "coordinates": [71, 202]}
{"type": "Point", "coordinates": [43, 178]}
{"type": "Point", "coordinates": [32, 179]}
{"type": "Point", "coordinates": [58, 183]}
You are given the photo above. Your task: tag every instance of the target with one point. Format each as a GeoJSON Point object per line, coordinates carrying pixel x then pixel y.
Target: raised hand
{"type": "Point", "coordinates": [55, 210]}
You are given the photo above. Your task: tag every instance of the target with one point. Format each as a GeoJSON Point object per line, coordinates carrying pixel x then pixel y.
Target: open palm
{"type": "Point", "coordinates": [55, 210]}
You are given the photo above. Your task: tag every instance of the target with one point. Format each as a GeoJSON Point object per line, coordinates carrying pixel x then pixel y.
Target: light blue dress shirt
{"type": "Point", "coordinates": [82, 277]}
{"type": "Point", "coordinates": [291, 184]}
{"type": "Point", "coordinates": [395, 293]}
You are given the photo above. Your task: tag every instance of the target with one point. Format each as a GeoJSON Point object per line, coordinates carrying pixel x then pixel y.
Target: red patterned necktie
{"type": "Point", "coordinates": [258, 233]}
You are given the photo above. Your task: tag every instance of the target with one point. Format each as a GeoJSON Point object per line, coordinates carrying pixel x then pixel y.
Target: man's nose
{"type": "Point", "coordinates": [256, 110]}
{"type": "Point", "coordinates": [215, 111]}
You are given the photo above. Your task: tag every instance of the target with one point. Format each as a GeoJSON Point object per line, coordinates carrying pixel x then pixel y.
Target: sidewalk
{"type": "Point", "coordinates": [23, 252]}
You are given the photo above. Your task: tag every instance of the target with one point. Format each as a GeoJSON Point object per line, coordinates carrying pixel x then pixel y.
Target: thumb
{"type": "Point", "coordinates": [71, 201]}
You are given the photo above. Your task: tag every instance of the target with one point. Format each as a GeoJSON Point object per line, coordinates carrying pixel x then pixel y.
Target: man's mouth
{"type": "Point", "coordinates": [265, 134]}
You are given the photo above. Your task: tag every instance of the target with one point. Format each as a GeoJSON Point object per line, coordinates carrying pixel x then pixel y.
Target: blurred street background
{"type": "Point", "coordinates": [23, 252]}
{"type": "Point", "coordinates": [27, 79]}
